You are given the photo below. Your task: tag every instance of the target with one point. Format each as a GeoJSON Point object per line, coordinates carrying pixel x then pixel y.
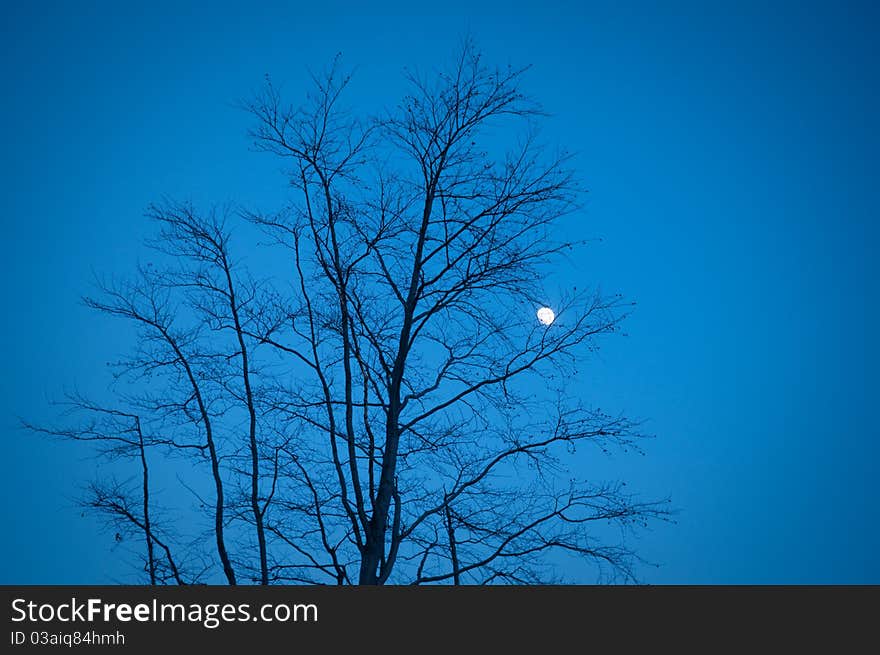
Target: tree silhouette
{"type": "Point", "coordinates": [397, 414]}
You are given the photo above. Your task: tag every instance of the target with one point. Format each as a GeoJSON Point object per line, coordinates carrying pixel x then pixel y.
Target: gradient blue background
{"type": "Point", "coordinates": [731, 152]}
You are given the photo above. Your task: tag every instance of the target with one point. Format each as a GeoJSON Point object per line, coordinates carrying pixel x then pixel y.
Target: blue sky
{"type": "Point", "coordinates": [730, 151]}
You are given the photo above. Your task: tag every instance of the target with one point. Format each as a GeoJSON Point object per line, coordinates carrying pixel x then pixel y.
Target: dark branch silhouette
{"type": "Point", "coordinates": [396, 413]}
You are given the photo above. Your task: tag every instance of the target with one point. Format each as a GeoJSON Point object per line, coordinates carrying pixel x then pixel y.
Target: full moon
{"type": "Point", "coordinates": [546, 315]}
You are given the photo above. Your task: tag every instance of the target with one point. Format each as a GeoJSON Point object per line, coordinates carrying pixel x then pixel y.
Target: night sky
{"type": "Point", "coordinates": [730, 152]}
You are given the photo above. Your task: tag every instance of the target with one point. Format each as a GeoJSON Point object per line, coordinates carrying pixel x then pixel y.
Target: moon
{"type": "Point", "coordinates": [546, 315]}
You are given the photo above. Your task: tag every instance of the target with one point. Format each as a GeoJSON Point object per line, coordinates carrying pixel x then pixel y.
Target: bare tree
{"type": "Point", "coordinates": [398, 415]}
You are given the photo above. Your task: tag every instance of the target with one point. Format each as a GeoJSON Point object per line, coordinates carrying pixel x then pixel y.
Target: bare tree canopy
{"type": "Point", "coordinates": [374, 418]}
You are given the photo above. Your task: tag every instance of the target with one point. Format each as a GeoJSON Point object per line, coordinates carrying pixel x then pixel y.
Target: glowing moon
{"type": "Point", "coordinates": [546, 315]}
